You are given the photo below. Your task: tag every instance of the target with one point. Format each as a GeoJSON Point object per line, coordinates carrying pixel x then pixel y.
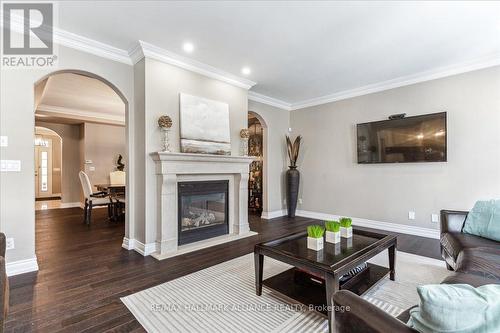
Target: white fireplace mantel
{"type": "Point", "coordinates": [172, 168]}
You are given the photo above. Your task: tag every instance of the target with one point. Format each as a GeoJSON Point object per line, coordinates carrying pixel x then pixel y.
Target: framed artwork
{"type": "Point", "coordinates": [204, 126]}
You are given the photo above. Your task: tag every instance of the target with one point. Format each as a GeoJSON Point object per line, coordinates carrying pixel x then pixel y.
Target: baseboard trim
{"type": "Point", "coordinates": [71, 204]}
{"type": "Point", "coordinates": [144, 249]}
{"type": "Point", "coordinates": [273, 214]}
{"type": "Point", "coordinates": [128, 244]}
{"type": "Point", "coordinates": [400, 228]}
{"type": "Point", "coordinates": [21, 266]}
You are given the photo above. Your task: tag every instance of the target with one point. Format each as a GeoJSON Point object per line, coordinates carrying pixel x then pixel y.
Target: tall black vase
{"type": "Point", "coordinates": [292, 189]}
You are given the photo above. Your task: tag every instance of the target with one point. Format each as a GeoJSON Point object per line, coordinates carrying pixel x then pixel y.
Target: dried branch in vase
{"type": "Point", "coordinates": [293, 150]}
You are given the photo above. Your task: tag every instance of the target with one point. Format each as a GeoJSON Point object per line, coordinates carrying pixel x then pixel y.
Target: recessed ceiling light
{"type": "Point", "coordinates": [188, 47]}
{"type": "Point", "coordinates": [246, 70]}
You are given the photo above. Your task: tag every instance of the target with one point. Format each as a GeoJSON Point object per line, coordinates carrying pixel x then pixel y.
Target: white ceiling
{"type": "Point", "coordinates": [301, 50]}
{"type": "Point", "coordinates": [75, 98]}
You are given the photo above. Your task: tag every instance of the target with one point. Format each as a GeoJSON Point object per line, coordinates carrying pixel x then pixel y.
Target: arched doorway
{"type": "Point", "coordinates": [257, 183]}
{"type": "Point", "coordinates": [50, 108]}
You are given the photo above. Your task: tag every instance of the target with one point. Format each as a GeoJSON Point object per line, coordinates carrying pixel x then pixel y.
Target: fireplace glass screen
{"type": "Point", "coordinates": [203, 210]}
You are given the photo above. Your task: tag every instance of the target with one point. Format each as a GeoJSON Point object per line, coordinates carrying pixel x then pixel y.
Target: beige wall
{"type": "Point", "coordinates": [332, 182]}
{"type": "Point", "coordinates": [17, 121]}
{"type": "Point", "coordinates": [103, 144]}
{"type": "Point", "coordinates": [277, 122]}
{"type": "Point", "coordinates": [70, 135]}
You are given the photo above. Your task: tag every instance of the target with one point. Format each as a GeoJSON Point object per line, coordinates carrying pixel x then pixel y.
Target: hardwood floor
{"type": "Point", "coordinates": [84, 271]}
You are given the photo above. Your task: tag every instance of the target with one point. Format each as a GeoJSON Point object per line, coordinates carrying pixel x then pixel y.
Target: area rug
{"type": "Point", "coordinates": [222, 298]}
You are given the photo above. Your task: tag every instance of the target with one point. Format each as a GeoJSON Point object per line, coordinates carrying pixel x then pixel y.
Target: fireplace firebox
{"type": "Point", "coordinates": [203, 210]}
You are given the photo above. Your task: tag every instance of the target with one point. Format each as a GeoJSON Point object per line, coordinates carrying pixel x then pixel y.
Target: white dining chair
{"type": "Point", "coordinates": [92, 199]}
{"type": "Point", "coordinates": [117, 178]}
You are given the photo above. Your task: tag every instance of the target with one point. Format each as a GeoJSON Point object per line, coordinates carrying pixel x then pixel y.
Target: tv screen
{"type": "Point", "coordinates": [410, 139]}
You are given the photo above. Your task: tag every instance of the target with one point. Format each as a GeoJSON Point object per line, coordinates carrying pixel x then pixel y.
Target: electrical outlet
{"type": "Point", "coordinates": [4, 141]}
{"type": "Point", "coordinates": [411, 215]}
{"type": "Point", "coordinates": [92, 168]}
{"type": "Point", "coordinates": [10, 244]}
{"type": "Point", "coordinates": [300, 201]}
{"type": "Point", "coordinates": [434, 218]}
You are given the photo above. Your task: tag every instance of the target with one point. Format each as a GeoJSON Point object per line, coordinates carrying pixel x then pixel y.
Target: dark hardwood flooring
{"type": "Point", "coordinates": [84, 271]}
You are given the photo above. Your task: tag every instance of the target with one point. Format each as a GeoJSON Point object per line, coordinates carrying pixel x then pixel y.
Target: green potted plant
{"type": "Point", "coordinates": [332, 232]}
{"type": "Point", "coordinates": [315, 237]}
{"type": "Point", "coordinates": [346, 227]}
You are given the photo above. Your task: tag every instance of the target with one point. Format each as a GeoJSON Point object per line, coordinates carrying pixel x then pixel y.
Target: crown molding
{"type": "Point", "coordinates": [438, 73]}
{"type": "Point", "coordinates": [256, 97]}
{"type": "Point", "coordinates": [77, 42]}
{"type": "Point", "coordinates": [63, 112]}
{"type": "Point", "coordinates": [146, 50]}
{"type": "Point", "coordinates": [142, 50]}
{"type": "Point", "coordinates": [74, 41]}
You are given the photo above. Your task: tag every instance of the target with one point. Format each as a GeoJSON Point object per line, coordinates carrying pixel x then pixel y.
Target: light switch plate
{"type": "Point", "coordinates": [4, 141]}
{"type": "Point", "coordinates": [411, 215]}
{"type": "Point", "coordinates": [92, 168]}
{"type": "Point", "coordinates": [10, 165]}
{"type": "Point", "coordinates": [434, 218]}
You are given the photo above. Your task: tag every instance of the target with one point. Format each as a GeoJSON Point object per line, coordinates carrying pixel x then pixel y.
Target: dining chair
{"type": "Point", "coordinates": [118, 205]}
{"type": "Point", "coordinates": [92, 199]}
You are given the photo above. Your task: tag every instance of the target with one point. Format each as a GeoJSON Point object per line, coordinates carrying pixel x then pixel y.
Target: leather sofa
{"type": "Point", "coordinates": [468, 253]}
{"type": "Point", "coordinates": [475, 260]}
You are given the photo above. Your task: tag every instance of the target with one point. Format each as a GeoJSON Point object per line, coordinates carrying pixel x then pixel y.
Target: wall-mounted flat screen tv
{"type": "Point", "coordinates": [404, 140]}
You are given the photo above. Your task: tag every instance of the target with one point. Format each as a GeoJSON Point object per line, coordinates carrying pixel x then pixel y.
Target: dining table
{"type": "Point", "coordinates": [111, 188]}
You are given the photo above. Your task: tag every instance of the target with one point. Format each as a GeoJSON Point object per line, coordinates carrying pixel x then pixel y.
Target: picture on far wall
{"type": "Point", "coordinates": [204, 126]}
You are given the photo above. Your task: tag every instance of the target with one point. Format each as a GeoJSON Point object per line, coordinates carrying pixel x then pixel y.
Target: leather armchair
{"type": "Point", "coordinates": [465, 252]}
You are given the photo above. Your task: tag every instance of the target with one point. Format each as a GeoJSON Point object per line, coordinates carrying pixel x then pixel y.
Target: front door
{"type": "Point", "coordinates": [43, 169]}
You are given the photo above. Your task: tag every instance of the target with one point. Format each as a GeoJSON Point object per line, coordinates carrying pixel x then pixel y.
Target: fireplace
{"type": "Point", "coordinates": [203, 210]}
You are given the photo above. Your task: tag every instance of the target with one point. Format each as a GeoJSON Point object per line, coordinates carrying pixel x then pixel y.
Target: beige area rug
{"type": "Point", "coordinates": [222, 298]}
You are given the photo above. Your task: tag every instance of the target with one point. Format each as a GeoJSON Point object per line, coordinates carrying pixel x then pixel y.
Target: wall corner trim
{"type": "Point", "coordinates": [274, 214]}
{"type": "Point", "coordinates": [22, 266]}
{"type": "Point", "coordinates": [388, 226]}
{"type": "Point", "coordinates": [128, 244]}
{"type": "Point", "coordinates": [143, 249]}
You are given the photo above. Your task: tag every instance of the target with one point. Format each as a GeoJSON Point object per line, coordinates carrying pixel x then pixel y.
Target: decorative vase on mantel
{"type": "Point", "coordinates": [165, 123]}
{"type": "Point", "coordinates": [244, 135]}
{"type": "Point", "coordinates": [292, 175]}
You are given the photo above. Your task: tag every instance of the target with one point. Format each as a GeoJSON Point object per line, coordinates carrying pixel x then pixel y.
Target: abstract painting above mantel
{"type": "Point", "coordinates": [204, 126]}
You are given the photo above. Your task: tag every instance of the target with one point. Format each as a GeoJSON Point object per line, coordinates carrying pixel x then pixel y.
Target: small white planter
{"type": "Point", "coordinates": [332, 237]}
{"type": "Point", "coordinates": [346, 232]}
{"type": "Point", "coordinates": [315, 244]}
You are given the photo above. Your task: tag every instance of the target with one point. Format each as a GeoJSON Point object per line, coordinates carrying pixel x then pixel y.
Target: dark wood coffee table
{"type": "Point", "coordinates": [324, 267]}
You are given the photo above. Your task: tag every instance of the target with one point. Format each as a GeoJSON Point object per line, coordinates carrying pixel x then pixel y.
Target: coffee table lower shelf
{"type": "Point", "coordinates": [312, 291]}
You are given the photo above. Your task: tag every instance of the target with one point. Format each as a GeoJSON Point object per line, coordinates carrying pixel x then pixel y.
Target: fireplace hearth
{"type": "Point", "coordinates": [203, 210]}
